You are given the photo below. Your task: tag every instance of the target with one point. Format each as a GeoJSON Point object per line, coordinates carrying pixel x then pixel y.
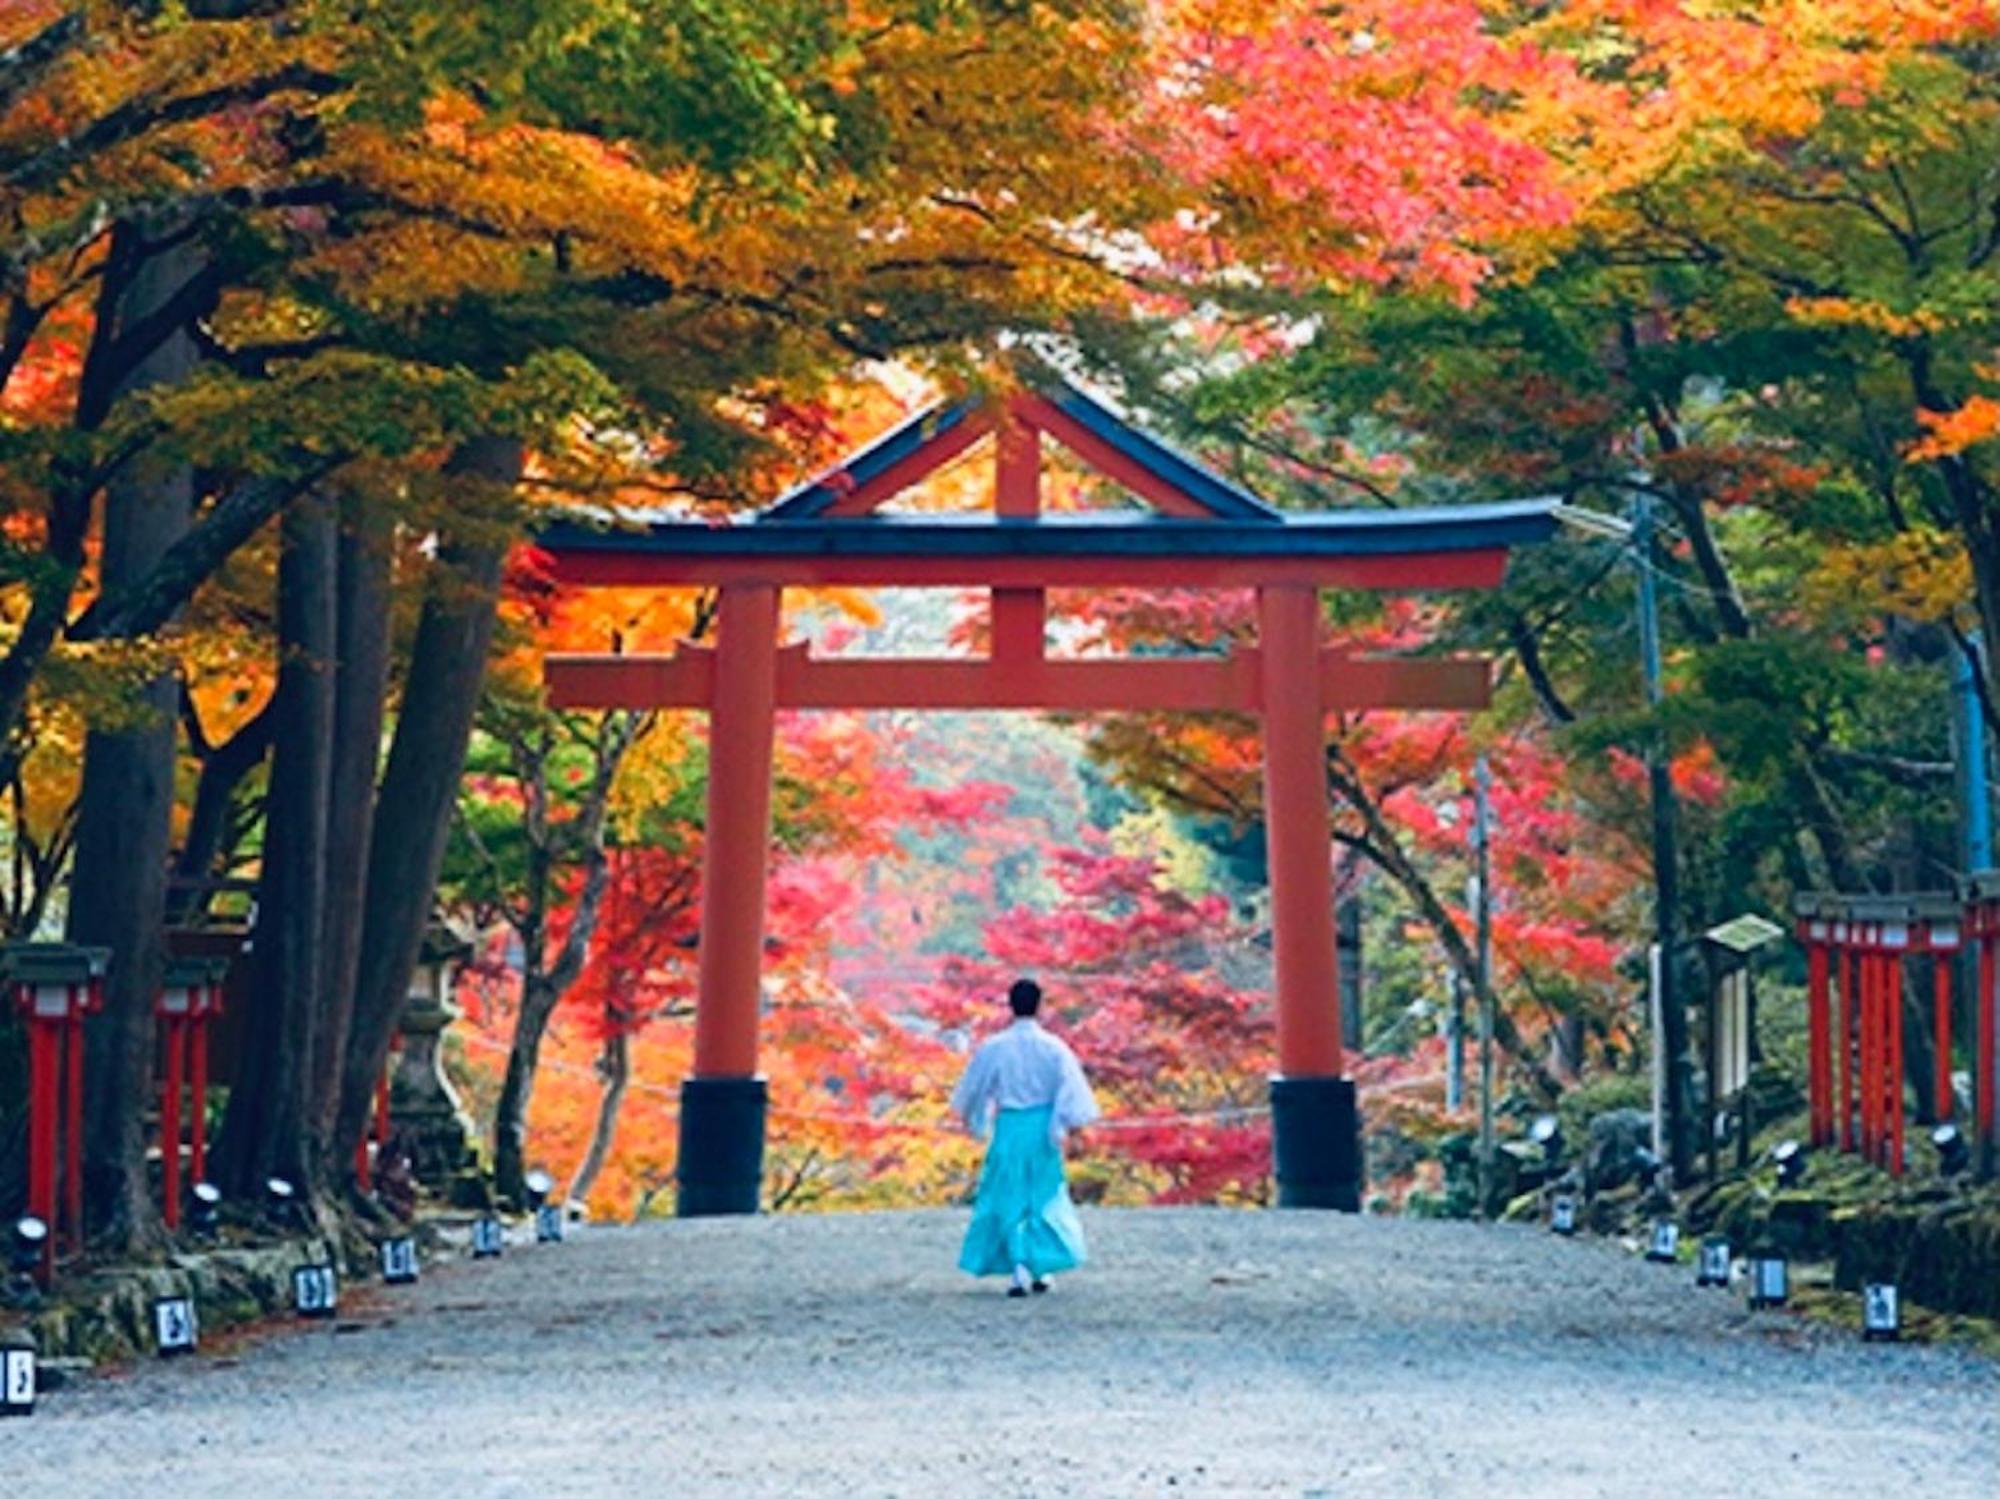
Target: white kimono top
{"type": "Point", "coordinates": [1024, 1067]}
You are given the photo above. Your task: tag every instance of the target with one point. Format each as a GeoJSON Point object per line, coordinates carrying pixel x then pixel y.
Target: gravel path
{"type": "Point", "coordinates": [1203, 1353]}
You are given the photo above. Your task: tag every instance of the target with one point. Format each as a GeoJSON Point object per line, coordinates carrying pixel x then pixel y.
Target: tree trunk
{"type": "Point", "coordinates": [539, 998]}
{"type": "Point", "coordinates": [119, 884]}
{"type": "Point", "coordinates": [270, 1129]}
{"type": "Point", "coordinates": [361, 680]}
{"type": "Point", "coordinates": [545, 983]}
{"type": "Point", "coordinates": [419, 788]}
{"type": "Point", "coordinates": [615, 1066]}
{"type": "Point", "coordinates": [228, 765]}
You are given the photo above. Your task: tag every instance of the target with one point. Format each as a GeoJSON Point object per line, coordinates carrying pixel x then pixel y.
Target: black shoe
{"type": "Point", "coordinates": [1017, 1291]}
{"type": "Point", "coordinates": [1039, 1286]}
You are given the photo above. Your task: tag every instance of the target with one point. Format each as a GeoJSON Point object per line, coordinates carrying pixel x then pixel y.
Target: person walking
{"type": "Point", "coordinates": [1032, 1089]}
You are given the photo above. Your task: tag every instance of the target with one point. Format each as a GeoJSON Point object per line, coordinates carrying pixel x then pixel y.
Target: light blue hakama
{"type": "Point", "coordinates": [1023, 1214]}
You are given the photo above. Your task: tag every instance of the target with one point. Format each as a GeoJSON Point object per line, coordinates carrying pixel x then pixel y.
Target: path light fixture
{"type": "Point", "coordinates": [1547, 1134]}
{"type": "Point", "coordinates": [205, 1209]}
{"type": "Point", "coordinates": [488, 1237]}
{"type": "Point", "coordinates": [1712, 1266]}
{"type": "Point", "coordinates": [1646, 1165]}
{"type": "Point", "coordinates": [1954, 1155]}
{"type": "Point", "coordinates": [1770, 1280]}
{"type": "Point", "coordinates": [315, 1290]}
{"type": "Point", "coordinates": [1790, 1158]}
{"type": "Point", "coordinates": [548, 1215]}
{"type": "Point", "coordinates": [1562, 1213]}
{"type": "Point", "coordinates": [1664, 1247]}
{"type": "Point", "coordinates": [399, 1260]}
{"type": "Point", "coordinates": [26, 1245]}
{"type": "Point", "coordinates": [281, 1201]}
{"type": "Point", "coordinates": [17, 1380]}
{"type": "Point", "coordinates": [536, 1186]}
{"type": "Point", "coordinates": [176, 1329]}
{"type": "Point", "coordinates": [1881, 1312]}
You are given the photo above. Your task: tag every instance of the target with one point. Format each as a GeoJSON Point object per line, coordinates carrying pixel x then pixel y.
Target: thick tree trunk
{"type": "Point", "coordinates": [119, 885]}
{"type": "Point", "coordinates": [615, 1066]}
{"type": "Point", "coordinates": [419, 788]}
{"type": "Point", "coordinates": [270, 1128]}
{"type": "Point", "coordinates": [360, 682]}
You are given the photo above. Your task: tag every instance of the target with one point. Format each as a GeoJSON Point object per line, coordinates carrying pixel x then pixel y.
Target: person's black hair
{"type": "Point", "coordinates": [1025, 997]}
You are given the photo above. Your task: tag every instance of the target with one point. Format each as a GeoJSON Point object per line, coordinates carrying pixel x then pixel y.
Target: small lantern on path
{"type": "Point", "coordinates": [1666, 1242]}
{"type": "Point", "coordinates": [1562, 1213]}
{"type": "Point", "coordinates": [488, 1237]}
{"type": "Point", "coordinates": [315, 1290]}
{"type": "Point", "coordinates": [176, 1330]}
{"type": "Point", "coordinates": [399, 1260]}
{"type": "Point", "coordinates": [1770, 1280]}
{"type": "Point", "coordinates": [1881, 1312]}
{"type": "Point", "coordinates": [17, 1380]}
{"type": "Point", "coordinates": [1712, 1268]}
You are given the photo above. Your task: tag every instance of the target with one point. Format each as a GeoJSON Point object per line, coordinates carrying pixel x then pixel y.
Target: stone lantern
{"type": "Point", "coordinates": [423, 1107]}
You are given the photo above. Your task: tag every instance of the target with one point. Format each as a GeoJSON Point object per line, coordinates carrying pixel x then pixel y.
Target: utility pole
{"type": "Point", "coordinates": [1454, 1044]}
{"type": "Point", "coordinates": [1974, 796]}
{"type": "Point", "coordinates": [1482, 837]}
{"type": "Point", "coordinates": [1672, 1037]}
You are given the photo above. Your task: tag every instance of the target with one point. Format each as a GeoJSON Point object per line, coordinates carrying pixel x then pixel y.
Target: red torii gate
{"type": "Point", "coordinates": [1207, 533]}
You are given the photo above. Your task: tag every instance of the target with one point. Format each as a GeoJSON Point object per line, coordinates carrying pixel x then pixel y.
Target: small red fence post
{"type": "Point", "coordinates": [186, 1002]}
{"type": "Point", "coordinates": [1846, 1051]}
{"type": "Point", "coordinates": [1819, 1044]}
{"type": "Point", "coordinates": [207, 1006]}
{"type": "Point", "coordinates": [54, 986]}
{"type": "Point", "coordinates": [1981, 896]}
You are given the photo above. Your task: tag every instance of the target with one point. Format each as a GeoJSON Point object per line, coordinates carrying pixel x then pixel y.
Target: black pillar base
{"type": "Point", "coordinates": [1316, 1143]}
{"type": "Point", "coordinates": [722, 1146]}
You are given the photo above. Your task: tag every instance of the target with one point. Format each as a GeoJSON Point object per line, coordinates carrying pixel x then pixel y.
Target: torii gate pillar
{"type": "Point", "coordinates": [721, 1165]}
{"type": "Point", "coordinates": [1315, 1133]}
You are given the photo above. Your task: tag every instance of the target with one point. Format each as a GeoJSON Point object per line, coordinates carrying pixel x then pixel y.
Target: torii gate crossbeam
{"type": "Point", "coordinates": [1211, 535]}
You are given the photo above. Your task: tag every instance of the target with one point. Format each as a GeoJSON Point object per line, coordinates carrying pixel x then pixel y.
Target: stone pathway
{"type": "Point", "coordinates": [1204, 1352]}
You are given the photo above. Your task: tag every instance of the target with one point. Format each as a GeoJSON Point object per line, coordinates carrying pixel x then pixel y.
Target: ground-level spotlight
{"type": "Point", "coordinates": [488, 1237]}
{"type": "Point", "coordinates": [205, 1209]}
{"type": "Point", "coordinates": [1881, 1312]}
{"type": "Point", "coordinates": [281, 1201]}
{"type": "Point", "coordinates": [1770, 1280]}
{"type": "Point", "coordinates": [1562, 1213]}
{"type": "Point", "coordinates": [315, 1290]}
{"type": "Point", "coordinates": [1547, 1134]}
{"type": "Point", "coordinates": [26, 1246]}
{"type": "Point", "coordinates": [1712, 1266]}
{"type": "Point", "coordinates": [548, 1215]}
{"type": "Point", "coordinates": [176, 1329]}
{"type": "Point", "coordinates": [536, 1186]}
{"type": "Point", "coordinates": [399, 1260]}
{"type": "Point", "coordinates": [1646, 1166]}
{"type": "Point", "coordinates": [1790, 1158]}
{"type": "Point", "coordinates": [1665, 1245]}
{"type": "Point", "coordinates": [1954, 1155]}
{"type": "Point", "coordinates": [17, 1379]}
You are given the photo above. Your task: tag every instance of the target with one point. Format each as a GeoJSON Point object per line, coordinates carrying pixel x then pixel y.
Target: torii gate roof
{"type": "Point", "coordinates": [1204, 530]}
